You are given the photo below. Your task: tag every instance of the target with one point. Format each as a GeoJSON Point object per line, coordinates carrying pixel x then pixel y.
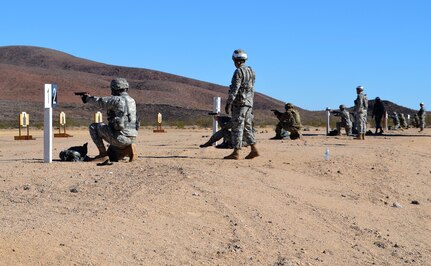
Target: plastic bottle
{"type": "Point", "coordinates": [326, 155]}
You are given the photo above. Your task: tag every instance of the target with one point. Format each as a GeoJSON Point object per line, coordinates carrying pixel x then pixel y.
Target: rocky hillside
{"type": "Point", "coordinates": [24, 70]}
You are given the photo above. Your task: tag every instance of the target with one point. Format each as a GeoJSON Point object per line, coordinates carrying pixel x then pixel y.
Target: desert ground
{"type": "Point", "coordinates": [178, 204]}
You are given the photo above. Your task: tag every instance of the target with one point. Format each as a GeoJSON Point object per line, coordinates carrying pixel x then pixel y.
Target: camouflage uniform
{"type": "Point", "coordinates": [395, 120]}
{"type": "Point", "coordinates": [224, 132]}
{"type": "Point", "coordinates": [422, 115]}
{"type": "Point", "coordinates": [415, 120]}
{"type": "Point", "coordinates": [289, 121]}
{"type": "Point", "coordinates": [345, 122]}
{"type": "Point", "coordinates": [403, 121]}
{"type": "Point", "coordinates": [121, 130]}
{"type": "Point", "coordinates": [241, 95]}
{"type": "Point", "coordinates": [361, 113]}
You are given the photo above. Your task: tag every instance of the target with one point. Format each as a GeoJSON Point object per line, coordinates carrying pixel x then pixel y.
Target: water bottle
{"type": "Point", "coordinates": [326, 155]}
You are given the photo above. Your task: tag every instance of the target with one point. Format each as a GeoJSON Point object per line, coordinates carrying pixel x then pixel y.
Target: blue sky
{"type": "Point", "coordinates": [312, 53]}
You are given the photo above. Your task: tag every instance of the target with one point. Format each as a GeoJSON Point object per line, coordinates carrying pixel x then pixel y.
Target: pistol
{"type": "Point", "coordinates": [81, 93]}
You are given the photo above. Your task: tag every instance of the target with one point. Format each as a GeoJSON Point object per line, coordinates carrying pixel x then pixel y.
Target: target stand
{"type": "Point", "coordinates": [24, 120]}
{"type": "Point", "coordinates": [62, 125]}
{"type": "Point", "coordinates": [159, 128]}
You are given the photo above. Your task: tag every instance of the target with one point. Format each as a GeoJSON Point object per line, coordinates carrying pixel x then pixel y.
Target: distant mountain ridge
{"type": "Point", "coordinates": [25, 69]}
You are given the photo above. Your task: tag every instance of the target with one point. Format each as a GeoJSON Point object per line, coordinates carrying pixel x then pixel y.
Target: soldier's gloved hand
{"type": "Point", "coordinates": [84, 98]}
{"type": "Point", "coordinates": [228, 108]}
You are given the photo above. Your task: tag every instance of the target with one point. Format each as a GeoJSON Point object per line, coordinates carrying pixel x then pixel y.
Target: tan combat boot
{"type": "Point", "coordinates": [253, 153]}
{"type": "Point", "coordinates": [233, 156]}
{"type": "Point", "coordinates": [132, 153]}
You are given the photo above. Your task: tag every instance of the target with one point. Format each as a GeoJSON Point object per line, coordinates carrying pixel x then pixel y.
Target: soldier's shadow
{"type": "Point", "coordinates": [167, 157]}
{"type": "Point", "coordinates": [178, 157]}
{"type": "Point", "coordinates": [401, 135]}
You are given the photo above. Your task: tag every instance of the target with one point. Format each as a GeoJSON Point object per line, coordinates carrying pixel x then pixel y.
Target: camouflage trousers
{"type": "Point", "coordinates": [361, 122]}
{"type": "Point", "coordinates": [100, 132]}
{"type": "Point", "coordinates": [242, 126]}
{"type": "Point", "coordinates": [291, 128]}
{"type": "Point", "coordinates": [422, 123]}
{"type": "Point", "coordinates": [344, 125]}
{"type": "Point", "coordinates": [222, 133]}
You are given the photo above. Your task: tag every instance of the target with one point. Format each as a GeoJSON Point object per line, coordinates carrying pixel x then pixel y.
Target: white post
{"type": "Point", "coordinates": [216, 109]}
{"type": "Point", "coordinates": [47, 125]}
{"type": "Point", "coordinates": [328, 114]}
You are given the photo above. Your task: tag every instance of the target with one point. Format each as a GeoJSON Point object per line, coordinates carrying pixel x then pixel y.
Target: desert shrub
{"type": "Point", "coordinates": [38, 125]}
{"type": "Point", "coordinates": [317, 123]}
{"type": "Point", "coordinates": [204, 122]}
{"type": "Point", "coordinates": [262, 123]}
{"type": "Point", "coordinates": [177, 123]}
{"type": "Point", "coordinates": [8, 124]}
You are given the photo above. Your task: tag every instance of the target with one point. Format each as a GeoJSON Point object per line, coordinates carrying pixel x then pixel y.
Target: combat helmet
{"type": "Point", "coordinates": [288, 106]}
{"type": "Point", "coordinates": [239, 55]}
{"type": "Point", "coordinates": [342, 107]}
{"type": "Point", "coordinates": [119, 84]}
{"type": "Point", "coordinates": [360, 88]}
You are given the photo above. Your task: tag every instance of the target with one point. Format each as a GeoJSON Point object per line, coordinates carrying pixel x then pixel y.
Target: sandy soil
{"type": "Point", "coordinates": [179, 204]}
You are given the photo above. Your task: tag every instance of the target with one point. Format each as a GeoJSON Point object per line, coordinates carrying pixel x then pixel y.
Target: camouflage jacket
{"type": "Point", "coordinates": [421, 113]}
{"type": "Point", "coordinates": [121, 111]}
{"type": "Point", "coordinates": [345, 117]}
{"type": "Point", "coordinates": [361, 103]}
{"type": "Point", "coordinates": [241, 90]}
{"type": "Point", "coordinates": [290, 118]}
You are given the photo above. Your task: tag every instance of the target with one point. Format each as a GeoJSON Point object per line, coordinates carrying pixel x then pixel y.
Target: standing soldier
{"type": "Point", "coordinates": [421, 114]}
{"type": "Point", "coordinates": [240, 104]}
{"type": "Point", "coordinates": [361, 105]}
{"type": "Point", "coordinates": [378, 113]}
{"type": "Point", "coordinates": [123, 125]}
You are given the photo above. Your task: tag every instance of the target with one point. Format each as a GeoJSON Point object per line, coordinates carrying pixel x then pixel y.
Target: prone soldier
{"type": "Point", "coordinates": [224, 132]}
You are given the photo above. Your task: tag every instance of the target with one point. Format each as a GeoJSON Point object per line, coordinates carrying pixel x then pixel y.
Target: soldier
{"type": "Point", "coordinates": [378, 113]}
{"type": "Point", "coordinates": [224, 132]}
{"type": "Point", "coordinates": [345, 122]}
{"type": "Point", "coordinates": [361, 106]}
{"type": "Point", "coordinates": [415, 121]}
{"type": "Point", "coordinates": [403, 121]}
{"type": "Point", "coordinates": [240, 104]}
{"type": "Point", "coordinates": [422, 115]}
{"type": "Point", "coordinates": [289, 121]}
{"type": "Point", "coordinates": [122, 127]}
{"type": "Point", "coordinates": [395, 120]}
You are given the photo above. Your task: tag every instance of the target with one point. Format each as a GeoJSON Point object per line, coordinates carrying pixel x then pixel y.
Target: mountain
{"type": "Point", "coordinates": [24, 70]}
